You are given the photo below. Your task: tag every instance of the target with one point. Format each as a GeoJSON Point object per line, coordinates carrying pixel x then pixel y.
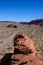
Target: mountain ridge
{"type": "Point", "coordinates": [36, 22]}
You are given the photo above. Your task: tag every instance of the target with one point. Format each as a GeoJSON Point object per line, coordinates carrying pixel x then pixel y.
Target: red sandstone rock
{"type": "Point", "coordinates": [24, 53]}
{"type": "Point", "coordinates": [29, 56]}
{"type": "Point", "coordinates": [11, 26]}
{"type": "Point", "coordinates": [24, 44]}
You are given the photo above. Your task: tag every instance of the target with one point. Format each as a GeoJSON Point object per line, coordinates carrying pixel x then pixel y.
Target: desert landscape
{"type": "Point", "coordinates": [21, 32]}
{"type": "Point", "coordinates": [8, 30]}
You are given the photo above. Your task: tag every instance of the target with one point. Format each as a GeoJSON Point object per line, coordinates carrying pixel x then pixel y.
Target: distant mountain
{"type": "Point", "coordinates": [8, 21]}
{"type": "Point", "coordinates": [24, 22]}
{"type": "Point", "coordinates": [36, 22]}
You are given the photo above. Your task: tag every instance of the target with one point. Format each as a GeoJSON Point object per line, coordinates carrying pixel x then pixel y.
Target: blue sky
{"type": "Point", "coordinates": [21, 10]}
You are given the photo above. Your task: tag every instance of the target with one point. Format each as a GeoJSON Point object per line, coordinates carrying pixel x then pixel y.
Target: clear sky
{"type": "Point", "coordinates": [21, 10]}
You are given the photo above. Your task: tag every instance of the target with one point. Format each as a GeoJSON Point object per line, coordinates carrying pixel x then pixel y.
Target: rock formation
{"type": "Point", "coordinates": [24, 44]}
{"type": "Point", "coordinates": [11, 26]}
{"type": "Point", "coordinates": [24, 53]}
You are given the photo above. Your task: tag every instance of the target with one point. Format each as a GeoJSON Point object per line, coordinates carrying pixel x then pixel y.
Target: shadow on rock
{"type": "Point", "coordinates": [6, 60]}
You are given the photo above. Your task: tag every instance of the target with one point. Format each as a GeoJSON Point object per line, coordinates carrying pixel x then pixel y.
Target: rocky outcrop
{"type": "Point", "coordinates": [24, 53]}
{"type": "Point", "coordinates": [34, 22]}
{"type": "Point", "coordinates": [24, 44]}
{"type": "Point", "coordinates": [11, 26]}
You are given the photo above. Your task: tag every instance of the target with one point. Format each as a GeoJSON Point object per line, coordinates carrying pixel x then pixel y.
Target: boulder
{"type": "Point", "coordinates": [11, 26]}
{"type": "Point", "coordinates": [24, 44]}
{"type": "Point", "coordinates": [24, 53]}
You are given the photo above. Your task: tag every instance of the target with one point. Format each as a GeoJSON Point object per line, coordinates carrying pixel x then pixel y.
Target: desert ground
{"type": "Point", "coordinates": [35, 32]}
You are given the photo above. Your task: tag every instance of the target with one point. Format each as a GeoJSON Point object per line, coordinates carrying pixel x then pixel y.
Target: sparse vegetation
{"type": "Point", "coordinates": [35, 32]}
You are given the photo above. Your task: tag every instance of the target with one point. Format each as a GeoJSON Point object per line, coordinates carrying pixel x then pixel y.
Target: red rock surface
{"type": "Point", "coordinates": [11, 26]}
{"type": "Point", "coordinates": [24, 53]}
{"type": "Point", "coordinates": [24, 44]}
{"type": "Point", "coordinates": [27, 54]}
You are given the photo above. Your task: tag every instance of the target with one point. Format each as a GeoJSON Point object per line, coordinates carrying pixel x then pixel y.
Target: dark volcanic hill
{"type": "Point", "coordinates": [36, 22]}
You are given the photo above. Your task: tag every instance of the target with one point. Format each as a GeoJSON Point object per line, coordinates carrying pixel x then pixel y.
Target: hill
{"type": "Point", "coordinates": [36, 22]}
